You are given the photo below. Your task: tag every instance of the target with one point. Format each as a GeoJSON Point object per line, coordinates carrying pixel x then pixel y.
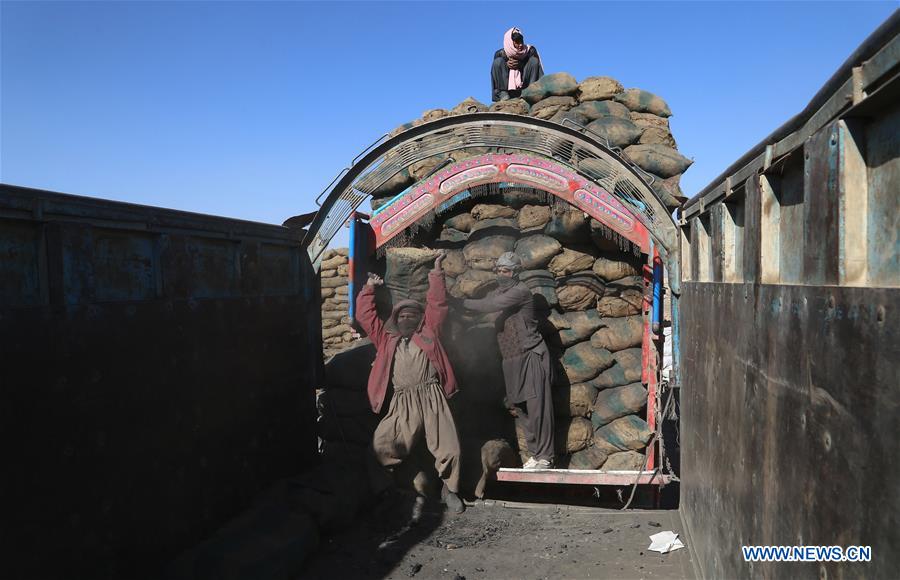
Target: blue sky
{"type": "Point", "coordinates": [249, 109]}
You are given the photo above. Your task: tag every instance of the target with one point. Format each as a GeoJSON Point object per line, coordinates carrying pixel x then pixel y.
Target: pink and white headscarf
{"type": "Point", "coordinates": [515, 76]}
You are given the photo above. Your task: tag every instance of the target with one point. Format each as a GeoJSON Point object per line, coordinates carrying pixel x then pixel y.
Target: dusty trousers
{"type": "Point", "coordinates": [528, 386]}
{"type": "Point", "coordinates": [414, 412]}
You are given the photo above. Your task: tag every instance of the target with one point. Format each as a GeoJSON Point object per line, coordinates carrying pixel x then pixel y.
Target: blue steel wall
{"type": "Point", "coordinates": [158, 371]}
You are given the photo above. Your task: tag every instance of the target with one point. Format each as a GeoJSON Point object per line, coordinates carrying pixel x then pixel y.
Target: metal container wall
{"type": "Point", "coordinates": [790, 347]}
{"type": "Point", "coordinates": [158, 371]}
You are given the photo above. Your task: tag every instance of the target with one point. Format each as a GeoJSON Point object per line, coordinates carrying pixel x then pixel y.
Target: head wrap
{"type": "Point", "coordinates": [515, 75]}
{"type": "Point", "coordinates": [509, 260]}
{"type": "Point", "coordinates": [392, 326]}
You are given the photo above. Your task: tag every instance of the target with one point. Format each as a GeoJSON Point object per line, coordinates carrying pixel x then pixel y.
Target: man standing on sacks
{"type": "Point", "coordinates": [527, 369]}
{"type": "Point", "coordinates": [411, 360]}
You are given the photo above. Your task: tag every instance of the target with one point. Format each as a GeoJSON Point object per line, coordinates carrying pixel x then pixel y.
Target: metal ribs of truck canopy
{"type": "Point", "coordinates": [610, 172]}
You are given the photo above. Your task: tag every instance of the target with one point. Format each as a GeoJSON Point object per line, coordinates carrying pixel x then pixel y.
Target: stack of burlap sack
{"type": "Point", "coordinates": [590, 292]}
{"type": "Point", "coordinates": [587, 279]}
{"type": "Point", "coordinates": [336, 331]}
{"type": "Point", "coordinates": [634, 121]}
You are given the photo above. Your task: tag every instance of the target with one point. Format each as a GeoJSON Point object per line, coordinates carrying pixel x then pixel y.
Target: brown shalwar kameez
{"type": "Point", "coordinates": [418, 405]}
{"type": "Point", "coordinates": [527, 370]}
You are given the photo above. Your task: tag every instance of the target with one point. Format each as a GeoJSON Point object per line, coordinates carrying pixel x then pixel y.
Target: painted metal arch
{"type": "Point", "coordinates": [568, 149]}
{"type": "Point", "coordinates": [520, 169]}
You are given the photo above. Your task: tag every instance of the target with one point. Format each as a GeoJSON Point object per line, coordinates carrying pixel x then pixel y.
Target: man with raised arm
{"type": "Point", "coordinates": [411, 360]}
{"type": "Point", "coordinates": [527, 369]}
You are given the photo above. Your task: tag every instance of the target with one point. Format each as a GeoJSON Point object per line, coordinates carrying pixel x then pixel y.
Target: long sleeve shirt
{"type": "Point", "coordinates": [517, 326]}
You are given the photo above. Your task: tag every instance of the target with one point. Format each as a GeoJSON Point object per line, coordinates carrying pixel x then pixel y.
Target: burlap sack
{"type": "Point", "coordinates": [583, 362]}
{"type": "Point", "coordinates": [626, 304]}
{"type": "Point", "coordinates": [616, 334]}
{"type": "Point", "coordinates": [590, 458]}
{"type": "Point", "coordinates": [617, 131]}
{"type": "Point", "coordinates": [569, 227]}
{"type": "Point", "coordinates": [610, 404]}
{"type": "Point", "coordinates": [547, 108]}
{"type": "Point", "coordinates": [575, 327]}
{"type": "Point", "coordinates": [576, 298]}
{"type": "Point", "coordinates": [572, 260]}
{"type": "Point", "coordinates": [533, 217]}
{"type": "Point", "coordinates": [624, 461]}
{"type": "Point", "coordinates": [537, 251]}
{"type": "Point", "coordinates": [483, 253]}
{"type": "Point", "coordinates": [462, 222]}
{"type": "Point", "coordinates": [611, 269]}
{"type": "Point", "coordinates": [643, 102]}
{"type": "Point", "coordinates": [553, 85]}
{"type": "Point", "coordinates": [474, 284]}
{"type": "Point", "coordinates": [486, 211]}
{"type": "Point", "coordinates": [467, 106]}
{"type": "Point", "coordinates": [500, 225]}
{"type": "Point", "coordinates": [598, 88]}
{"type": "Point", "coordinates": [514, 106]}
{"type": "Point", "coordinates": [624, 434]}
{"type": "Point", "coordinates": [455, 263]}
{"type": "Point", "coordinates": [597, 109]}
{"type": "Point", "coordinates": [406, 273]}
{"type": "Point", "coordinates": [658, 159]}
{"type": "Point", "coordinates": [574, 401]}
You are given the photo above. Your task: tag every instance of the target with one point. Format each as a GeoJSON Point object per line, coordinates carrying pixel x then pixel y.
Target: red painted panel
{"type": "Point", "coordinates": [518, 169]}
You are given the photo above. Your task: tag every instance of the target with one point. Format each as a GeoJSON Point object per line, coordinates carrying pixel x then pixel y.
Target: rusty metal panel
{"type": "Point", "coordinates": [694, 256]}
{"type": "Point", "coordinates": [791, 210]}
{"type": "Point", "coordinates": [716, 243]}
{"type": "Point", "coordinates": [20, 263]}
{"type": "Point", "coordinates": [821, 207]}
{"type": "Point", "coordinates": [790, 398]}
{"type": "Point", "coordinates": [883, 161]}
{"type": "Point", "coordinates": [752, 210]}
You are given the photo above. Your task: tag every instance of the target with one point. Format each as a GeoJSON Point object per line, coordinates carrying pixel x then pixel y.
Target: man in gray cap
{"type": "Point", "coordinates": [527, 369]}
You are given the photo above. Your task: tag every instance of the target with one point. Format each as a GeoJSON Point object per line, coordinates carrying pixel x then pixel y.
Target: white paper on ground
{"type": "Point", "coordinates": [665, 542]}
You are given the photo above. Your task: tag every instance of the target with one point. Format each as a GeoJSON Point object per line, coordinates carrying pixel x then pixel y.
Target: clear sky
{"type": "Point", "coordinates": [249, 109]}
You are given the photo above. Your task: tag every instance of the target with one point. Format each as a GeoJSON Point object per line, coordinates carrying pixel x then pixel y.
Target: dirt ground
{"type": "Point", "coordinates": [501, 539]}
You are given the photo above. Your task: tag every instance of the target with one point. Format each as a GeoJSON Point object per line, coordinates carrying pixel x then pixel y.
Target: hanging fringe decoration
{"type": "Point", "coordinates": [621, 241]}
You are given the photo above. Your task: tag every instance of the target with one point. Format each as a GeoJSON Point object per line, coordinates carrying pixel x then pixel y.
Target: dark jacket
{"type": "Point", "coordinates": [517, 325]}
{"type": "Point", "coordinates": [385, 338]}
